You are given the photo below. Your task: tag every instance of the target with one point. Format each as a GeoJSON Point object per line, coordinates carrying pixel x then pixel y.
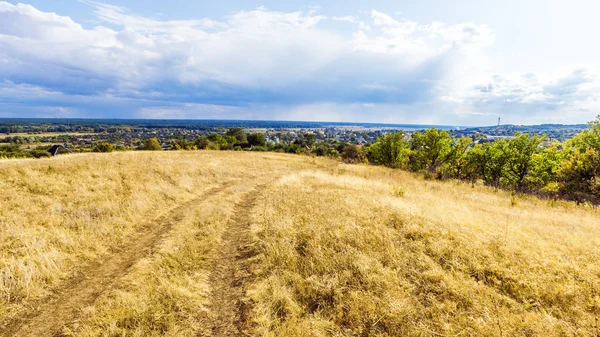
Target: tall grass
{"type": "Point", "coordinates": [345, 254]}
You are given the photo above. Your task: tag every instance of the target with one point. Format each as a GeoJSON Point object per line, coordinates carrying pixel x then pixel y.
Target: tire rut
{"type": "Point", "coordinates": [232, 272]}
{"type": "Point", "coordinates": [51, 314]}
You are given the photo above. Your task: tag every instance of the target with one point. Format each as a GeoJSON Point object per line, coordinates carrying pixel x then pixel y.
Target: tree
{"type": "Point", "coordinates": [544, 168]}
{"type": "Point", "coordinates": [151, 144]}
{"type": "Point", "coordinates": [429, 149]}
{"type": "Point", "coordinates": [216, 138]}
{"type": "Point", "coordinates": [579, 174]}
{"type": "Point", "coordinates": [104, 147]}
{"type": "Point", "coordinates": [202, 142]}
{"type": "Point", "coordinates": [390, 150]}
{"type": "Point", "coordinates": [457, 162]}
{"type": "Point", "coordinates": [487, 162]}
{"type": "Point", "coordinates": [321, 149]}
{"type": "Point", "coordinates": [519, 153]}
{"type": "Point", "coordinates": [353, 154]}
{"type": "Point", "coordinates": [216, 142]}
{"type": "Point", "coordinates": [182, 144]}
{"type": "Point", "coordinates": [310, 138]}
{"type": "Point", "coordinates": [257, 139]}
{"type": "Point", "coordinates": [238, 133]}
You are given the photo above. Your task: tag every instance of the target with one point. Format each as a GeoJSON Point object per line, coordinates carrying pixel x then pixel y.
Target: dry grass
{"type": "Point", "coordinates": [59, 214]}
{"type": "Point", "coordinates": [166, 294]}
{"type": "Point", "coordinates": [344, 250]}
{"type": "Point", "coordinates": [365, 251]}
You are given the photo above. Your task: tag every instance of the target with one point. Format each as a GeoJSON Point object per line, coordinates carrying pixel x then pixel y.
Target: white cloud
{"type": "Point", "coordinates": [563, 96]}
{"type": "Point", "coordinates": [348, 18]}
{"type": "Point", "coordinates": [265, 63]}
{"type": "Point", "coordinates": [464, 33]}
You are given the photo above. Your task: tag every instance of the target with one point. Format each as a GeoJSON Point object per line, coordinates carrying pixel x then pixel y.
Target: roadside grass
{"type": "Point", "coordinates": [345, 253]}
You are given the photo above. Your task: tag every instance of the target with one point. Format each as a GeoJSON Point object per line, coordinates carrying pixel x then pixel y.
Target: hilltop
{"type": "Point", "coordinates": [223, 243]}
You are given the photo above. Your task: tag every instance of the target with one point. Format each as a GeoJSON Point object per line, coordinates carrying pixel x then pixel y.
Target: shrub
{"type": "Point", "coordinates": [259, 148]}
{"type": "Point", "coordinates": [202, 142]}
{"type": "Point", "coordinates": [226, 147]}
{"type": "Point", "coordinates": [151, 144]}
{"type": "Point", "coordinates": [40, 154]}
{"type": "Point", "coordinates": [104, 147]}
{"type": "Point", "coordinates": [353, 154]}
{"type": "Point", "coordinates": [182, 144]}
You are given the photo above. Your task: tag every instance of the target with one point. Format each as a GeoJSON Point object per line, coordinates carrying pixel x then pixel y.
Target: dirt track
{"type": "Point", "coordinates": [50, 315]}
{"type": "Point", "coordinates": [231, 272]}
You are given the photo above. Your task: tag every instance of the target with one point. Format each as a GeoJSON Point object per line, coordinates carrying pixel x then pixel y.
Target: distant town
{"type": "Point", "coordinates": [82, 135]}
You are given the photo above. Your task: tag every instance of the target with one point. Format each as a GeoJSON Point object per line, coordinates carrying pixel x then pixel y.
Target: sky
{"type": "Point", "coordinates": [411, 62]}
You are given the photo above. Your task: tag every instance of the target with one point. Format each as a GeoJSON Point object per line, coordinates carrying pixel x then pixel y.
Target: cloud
{"type": "Point", "coordinates": [564, 96]}
{"type": "Point", "coordinates": [348, 18]}
{"type": "Point", "coordinates": [262, 63]}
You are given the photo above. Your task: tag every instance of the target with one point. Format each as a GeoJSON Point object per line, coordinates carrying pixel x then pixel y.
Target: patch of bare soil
{"type": "Point", "coordinates": [231, 273]}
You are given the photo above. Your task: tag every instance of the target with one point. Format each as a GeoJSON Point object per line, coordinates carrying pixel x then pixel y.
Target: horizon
{"type": "Point", "coordinates": [352, 123]}
{"type": "Point", "coordinates": [431, 63]}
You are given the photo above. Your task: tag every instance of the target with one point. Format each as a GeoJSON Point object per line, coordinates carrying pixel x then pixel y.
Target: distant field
{"type": "Point", "coordinates": [207, 243]}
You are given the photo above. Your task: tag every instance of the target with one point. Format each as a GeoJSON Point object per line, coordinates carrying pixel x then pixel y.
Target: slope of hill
{"type": "Point", "coordinates": [231, 243]}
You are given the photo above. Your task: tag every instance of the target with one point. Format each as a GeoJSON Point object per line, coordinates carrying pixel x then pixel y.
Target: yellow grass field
{"type": "Point", "coordinates": [206, 243]}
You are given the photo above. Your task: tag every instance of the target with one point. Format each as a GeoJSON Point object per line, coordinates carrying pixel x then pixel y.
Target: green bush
{"type": "Point", "coordinates": [104, 147]}
{"type": "Point", "coordinates": [353, 154]}
{"type": "Point", "coordinates": [40, 154]}
{"type": "Point", "coordinates": [257, 139]}
{"type": "Point", "coordinates": [151, 144]}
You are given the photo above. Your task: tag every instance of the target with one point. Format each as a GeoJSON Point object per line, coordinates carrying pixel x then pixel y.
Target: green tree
{"type": "Point", "coordinates": [238, 133]}
{"type": "Point", "coordinates": [104, 147]}
{"type": "Point", "coordinates": [257, 139]}
{"type": "Point", "coordinates": [543, 173]}
{"type": "Point", "coordinates": [579, 174]}
{"type": "Point", "coordinates": [519, 153]}
{"type": "Point", "coordinates": [389, 150]}
{"type": "Point", "coordinates": [202, 142]}
{"type": "Point", "coordinates": [151, 144]}
{"type": "Point", "coordinates": [216, 138]}
{"type": "Point", "coordinates": [457, 161]}
{"type": "Point", "coordinates": [320, 149]}
{"type": "Point", "coordinates": [231, 140]}
{"type": "Point", "coordinates": [310, 138]}
{"type": "Point", "coordinates": [429, 149]}
{"type": "Point", "coordinates": [182, 144]}
{"type": "Point", "coordinates": [487, 162]}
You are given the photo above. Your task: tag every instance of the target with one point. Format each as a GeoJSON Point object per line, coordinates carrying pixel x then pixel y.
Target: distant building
{"type": "Point", "coordinates": [56, 148]}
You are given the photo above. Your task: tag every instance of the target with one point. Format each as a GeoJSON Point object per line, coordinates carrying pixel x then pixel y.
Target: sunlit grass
{"type": "Point", "coordinates": [343, 250]}
{"type": "Point", "coordinates": [58, 214]}
{"type": "Point", "coordinates": [370, 251]}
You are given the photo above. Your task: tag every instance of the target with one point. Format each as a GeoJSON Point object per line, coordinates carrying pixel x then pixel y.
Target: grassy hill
{"type": "Point", "coordinates": [236, 243]}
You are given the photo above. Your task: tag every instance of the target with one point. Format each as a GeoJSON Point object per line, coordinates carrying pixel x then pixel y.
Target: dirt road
{"type": "Point", "coordinates": [49, 316]}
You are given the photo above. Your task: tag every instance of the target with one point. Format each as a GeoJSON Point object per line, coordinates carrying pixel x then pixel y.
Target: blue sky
{"type": "Point", "coordinates": [432, 61]}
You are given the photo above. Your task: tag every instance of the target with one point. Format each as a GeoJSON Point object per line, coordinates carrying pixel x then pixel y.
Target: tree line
{"type": "Point", "coordinates": [569, 170]}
